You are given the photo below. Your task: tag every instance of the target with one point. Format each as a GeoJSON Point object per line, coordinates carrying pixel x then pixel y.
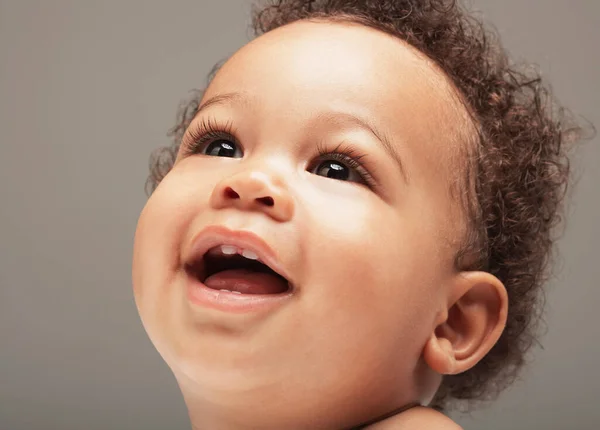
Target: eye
{"type": "Point", "coordinates": [335, 169]}
{"type": "Point", "coordinates": [223, 148]}
{"type": "Point", "coordinates": [211, 138]}
{"type": "Point", "coordinates": [343, 163]}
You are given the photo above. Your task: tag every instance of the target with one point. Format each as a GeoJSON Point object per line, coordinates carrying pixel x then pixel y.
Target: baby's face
{"type": "Point", "coordinates": [369, 250]}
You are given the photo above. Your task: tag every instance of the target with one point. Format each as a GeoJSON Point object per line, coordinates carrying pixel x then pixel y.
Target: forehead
{"type": "Point", "coordinates": [310, 67]}
{"type": "Point", "coordinates": [345, 60]}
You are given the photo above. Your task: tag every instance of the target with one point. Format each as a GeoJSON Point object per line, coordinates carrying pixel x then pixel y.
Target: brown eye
{"type": "Point", "coordinates": [335, 169]}
{"type": "Point", "coordinates": [223, 148]}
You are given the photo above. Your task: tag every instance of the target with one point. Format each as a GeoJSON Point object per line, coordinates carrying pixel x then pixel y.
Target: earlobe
{"type": "Point", "coordinates": [475, 318]}
{"type": "Point", "coordinates": [439, 355]}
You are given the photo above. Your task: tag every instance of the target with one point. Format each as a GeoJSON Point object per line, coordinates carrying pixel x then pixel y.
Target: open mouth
{"type": "Point", "coordinates": [241, 271]}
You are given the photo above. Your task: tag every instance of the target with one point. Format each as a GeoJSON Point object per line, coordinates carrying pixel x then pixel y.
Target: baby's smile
{"type": "Point", "coordinates": [235, 271]}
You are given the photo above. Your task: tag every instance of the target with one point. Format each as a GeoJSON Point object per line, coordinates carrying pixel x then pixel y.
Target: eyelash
{"type": "Point", "coordinates": [208, 131]}
{"type": "Point", "coordinates": [352, 158]}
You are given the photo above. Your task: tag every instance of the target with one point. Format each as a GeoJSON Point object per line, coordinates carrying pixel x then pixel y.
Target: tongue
{"type": "Point", "coordinates": [247, 282]}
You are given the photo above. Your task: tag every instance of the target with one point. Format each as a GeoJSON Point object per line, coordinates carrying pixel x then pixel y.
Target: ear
{"type": "Point", "coordinates": [471, 325]}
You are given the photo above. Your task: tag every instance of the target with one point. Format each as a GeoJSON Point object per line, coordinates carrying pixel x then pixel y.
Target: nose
{"type": "Point", "coordinates": [254, 190]}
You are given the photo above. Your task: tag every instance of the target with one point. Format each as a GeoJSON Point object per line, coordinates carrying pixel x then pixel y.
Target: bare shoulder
{"type": "Point", "coordinates": [416, 419]}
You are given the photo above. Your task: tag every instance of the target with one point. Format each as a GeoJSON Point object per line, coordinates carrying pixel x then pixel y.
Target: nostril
{"type": "Point", "coordinates": [231, 194]}
{"type": "Point", "coordinates": [267, 201]}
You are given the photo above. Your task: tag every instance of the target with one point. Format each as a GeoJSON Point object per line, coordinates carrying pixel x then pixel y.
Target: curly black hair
{"type": "Point", "coordinates": [516, 173]}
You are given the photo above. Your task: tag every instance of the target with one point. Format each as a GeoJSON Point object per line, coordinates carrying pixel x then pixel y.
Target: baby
{"type": "Point", "coordinates": [353, 224]}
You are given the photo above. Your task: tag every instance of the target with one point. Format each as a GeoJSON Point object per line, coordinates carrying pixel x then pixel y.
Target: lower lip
{"type": "Point", "coordinates": [200, 295]}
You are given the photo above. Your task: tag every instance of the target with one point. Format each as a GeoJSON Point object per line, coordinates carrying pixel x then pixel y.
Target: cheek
{"type": "Point", "coordinates": [159, 235]}
{"type": "Point", "coordinates": [369, 266]}
{"type": "Point", "coordinates": [366, 296]}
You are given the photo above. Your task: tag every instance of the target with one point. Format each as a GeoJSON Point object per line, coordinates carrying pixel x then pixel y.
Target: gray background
{"type": "Point", "coordinates": [88, 89]}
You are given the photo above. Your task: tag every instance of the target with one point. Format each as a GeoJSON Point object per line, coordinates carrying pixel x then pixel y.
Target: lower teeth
{"type": "Point", "coordinates": [234, 292]}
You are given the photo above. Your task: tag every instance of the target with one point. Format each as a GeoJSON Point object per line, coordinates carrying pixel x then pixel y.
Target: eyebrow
{"type": "Point", "coordinates": [222, 99]}
{"type": "Point", "coordinates": [369, 126]}
{"type": "Point", "coordinates": [238, 98]}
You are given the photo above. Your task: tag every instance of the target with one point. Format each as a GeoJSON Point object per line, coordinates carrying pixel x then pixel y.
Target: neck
{"type": "Point", "coordinates": [203, 419]}
{"type": "Point", "coordinates": [221, 413]}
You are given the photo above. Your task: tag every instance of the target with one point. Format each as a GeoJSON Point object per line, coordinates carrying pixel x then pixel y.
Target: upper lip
{"type": "Point", "coordinates": [213, 236]}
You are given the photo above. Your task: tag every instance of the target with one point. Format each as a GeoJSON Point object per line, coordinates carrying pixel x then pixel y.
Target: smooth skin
{"type": "Point", "coordinates": [379, 312]}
